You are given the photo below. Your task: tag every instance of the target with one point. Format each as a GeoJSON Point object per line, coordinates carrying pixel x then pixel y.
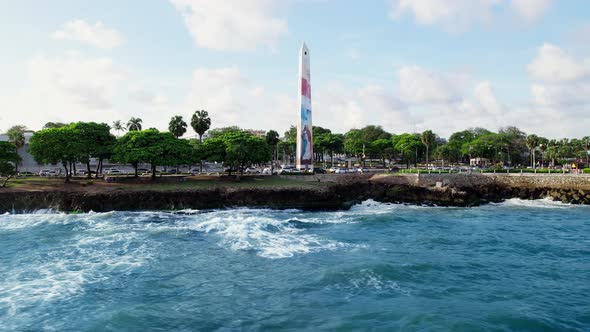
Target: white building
{"type": "Point", "coordinates": [28, 163]}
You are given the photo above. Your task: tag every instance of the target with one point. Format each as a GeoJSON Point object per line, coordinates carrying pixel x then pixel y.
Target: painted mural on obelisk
{"type": "Point", "coordinates": [304, 126]}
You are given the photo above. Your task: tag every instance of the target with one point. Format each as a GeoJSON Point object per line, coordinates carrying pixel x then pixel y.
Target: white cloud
{"type": "Point", "coordinates": [531, 10]}
{"type": "Point", "coordinates": [561, 82]}
{"type": "Point", "coordinates": [68, 88]}
{"type": "Point", "coordinates": [145, 96]}
{"type": "Point", "coordinates": [341, 108]}
{"type": "Point", "coordinates": [232, 25]}
{"type": "Point", "coordinates": [459, 14]}
{"type": "Point", "coordinates": [231, 100]}
{"type": "Point", "coordinates": [487, 99]}
{"type": "Point", "coordinates": [560, 92]}
{"type": "Point", "coordinates": [97, 35]}
{"type": "Point", "coordinates": [554, 65]}
{"type": "Point", "coordinates": [419, 86]}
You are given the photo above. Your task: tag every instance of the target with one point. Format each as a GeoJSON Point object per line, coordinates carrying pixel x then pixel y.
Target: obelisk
{"type": "Point", "coordinates": [304, 128]}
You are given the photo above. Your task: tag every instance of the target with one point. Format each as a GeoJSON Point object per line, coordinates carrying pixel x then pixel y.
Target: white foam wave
{"type": "Point", "coordinates": [266, 233]}
{"type": "Point", "coordinates": [63, 270]}
{"type": "Point", "coordinates": [368, 280]}
{"type": "Point", "coordinates": [546, 203]}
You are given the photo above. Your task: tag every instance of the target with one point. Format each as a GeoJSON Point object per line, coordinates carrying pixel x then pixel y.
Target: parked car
{"type": "Point", "coordinates": [362, 170]}
{"type": "Point", "coordinates": [252, 170]}
{"type": "Point", "coordinates": [112, 171]}
{"type": "Point", "coordinates": [230, 169]}
{"type": "Point", "coordinates": [393, 169]}
{"type": "Point", "coordinates": [26, 173]}
{"type": "Point", "coordinates": [269, 171]}
{"type": "Point", "coordinates": [47, 172]}
{"type": "Point", "coordinates": [319, 170]}
{"type": "Point", "coordinates": [142, 170]}
{"type": "Point", "coordinates": [340, 171]}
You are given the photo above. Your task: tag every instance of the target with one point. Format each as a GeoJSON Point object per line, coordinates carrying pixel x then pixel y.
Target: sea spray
{"type": "Point", "coordinates": [513, 265]}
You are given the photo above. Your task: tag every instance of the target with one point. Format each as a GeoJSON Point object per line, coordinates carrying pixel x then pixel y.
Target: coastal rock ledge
{"type": "Point", "coordinates": [338, 193]}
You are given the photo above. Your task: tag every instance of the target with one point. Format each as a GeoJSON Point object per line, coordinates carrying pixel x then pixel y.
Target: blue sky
{"type": "Point", "coordinates": [408, 65]}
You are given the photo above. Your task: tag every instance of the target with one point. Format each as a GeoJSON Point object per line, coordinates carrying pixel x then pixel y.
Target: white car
{"type": "Point", "coordinates": [269, 171]}
{"type": "Point", "coordinates": [341, 171]}
{"type": "Point", "coordinates": [110, 171]}
{"type": "Point", "coordinates": [251, 170]}
{"type": "Point", "coordinates": [47, 172]}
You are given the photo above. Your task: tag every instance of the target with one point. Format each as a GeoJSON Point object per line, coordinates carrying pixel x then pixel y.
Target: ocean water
{"type": "Point", "coordinates": [514, 266]}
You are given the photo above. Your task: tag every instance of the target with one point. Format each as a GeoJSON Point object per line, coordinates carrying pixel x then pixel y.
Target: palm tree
{"type": "Point", "coordinates": [532, 141]}
{"type": "Point", "coordinates": [118, 126]}
{"type": "Point", "coordinates": [134, 124]}
{"type": "Point", "coordinates": [272, 139]}
{"type": "Point", "coordinates": [586, 141]}
{"type": "Point", "coordinates": [428, 138]}
{"type": "Point", "coordinates": [201, 123]}
{"type": "Point", "coordinates": [16, 135]}
{"type": "Point", "coordinates": [177, 126]}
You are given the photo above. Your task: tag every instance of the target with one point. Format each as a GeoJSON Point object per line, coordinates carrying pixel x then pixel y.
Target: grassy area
{"type": "Point", "coordinates": [245, 182]}
{"type": "Point", "coordinates": [36, 183]}
{"type": "Point", "coordinates": [490, 170]}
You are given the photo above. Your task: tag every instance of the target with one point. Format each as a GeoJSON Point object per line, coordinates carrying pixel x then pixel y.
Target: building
{"type": "Point", "coordinates": [257, 133]}
{"type": "Point", "coordinates": [28, 163]}
{"type": "Point", "coordinates": [479, 162]}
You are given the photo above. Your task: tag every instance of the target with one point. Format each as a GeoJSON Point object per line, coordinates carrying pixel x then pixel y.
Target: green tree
{"type": "Point", "coordinates": [236, 149]}
{"type": "Point", "coordinates": [9, 158]}
{"type": "Point", "coordinates": [16, 136]}
{"type": "Point", "coordinates": [459, 142]}
{"type": "Point", "coordinates": [177, 126]}
{"type": "Point", "coordinates": [56, 145]}
{"type": "Point", "coordinates": [532, 141]}
{"type": "Point", "coordinates": [408, 145]}
{"type": "Point", "coordinates": [134, 124]}
{"type": "Point", "coordinates": [288, 144]}
{"type": "Point", "coordinates": [358, 141]}
{"type": "Point", "coordinates": [50, 125]}
{"type": "Point", "coordinates": [201, 122]}
{"type": "Point", "coordinates": [273, 139]}
{"type": "Point", "coordinates": [428, 138]}
{"type": "Point", "coordinates": [354, 143]}
{"type": "Point", "coordinates": [320, 140]}
{"type": "Point", "coordinates": [543, 144]}
{"type": "Point", "coordinates": [586, 142]}
{"type": "Point", "coordinates": [95, 141]}
{"type": "Point", "coordinates": [334, 144]}
{"type": "Point", "coordinates": [118, 126]}
{"type": "Point", "coordinates": [444, 152]}
{"type": "Point", "coordinates": [153, 147]}
{"type": "Point", "coordinates": [384, 148]}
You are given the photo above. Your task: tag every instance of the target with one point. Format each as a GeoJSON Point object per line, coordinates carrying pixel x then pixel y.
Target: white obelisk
{"type": "Point", "coordinates": [304, 127]}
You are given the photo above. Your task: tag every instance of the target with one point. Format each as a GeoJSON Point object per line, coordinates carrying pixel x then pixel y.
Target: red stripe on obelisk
{"type": "Point", "coordinates": [305, 88]}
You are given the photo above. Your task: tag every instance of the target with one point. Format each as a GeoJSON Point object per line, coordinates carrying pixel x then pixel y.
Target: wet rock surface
{"type": "Point", "coordinates": [338, 195]}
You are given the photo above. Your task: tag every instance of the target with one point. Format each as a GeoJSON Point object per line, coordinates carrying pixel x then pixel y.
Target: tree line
{"type": "Point", "coordinates": [79, 142]}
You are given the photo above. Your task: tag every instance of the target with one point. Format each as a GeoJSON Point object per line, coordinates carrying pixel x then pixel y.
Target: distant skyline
{"type": "Point", "coordinates": [407, 65]}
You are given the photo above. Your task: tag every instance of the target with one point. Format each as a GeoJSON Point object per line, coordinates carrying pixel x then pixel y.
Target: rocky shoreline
{"type": "Point", "coordinates": [341, 194]}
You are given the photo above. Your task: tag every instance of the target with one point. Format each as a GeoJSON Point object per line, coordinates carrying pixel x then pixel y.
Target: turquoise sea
{"type": "Point", "coordinates": [513, 266]}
